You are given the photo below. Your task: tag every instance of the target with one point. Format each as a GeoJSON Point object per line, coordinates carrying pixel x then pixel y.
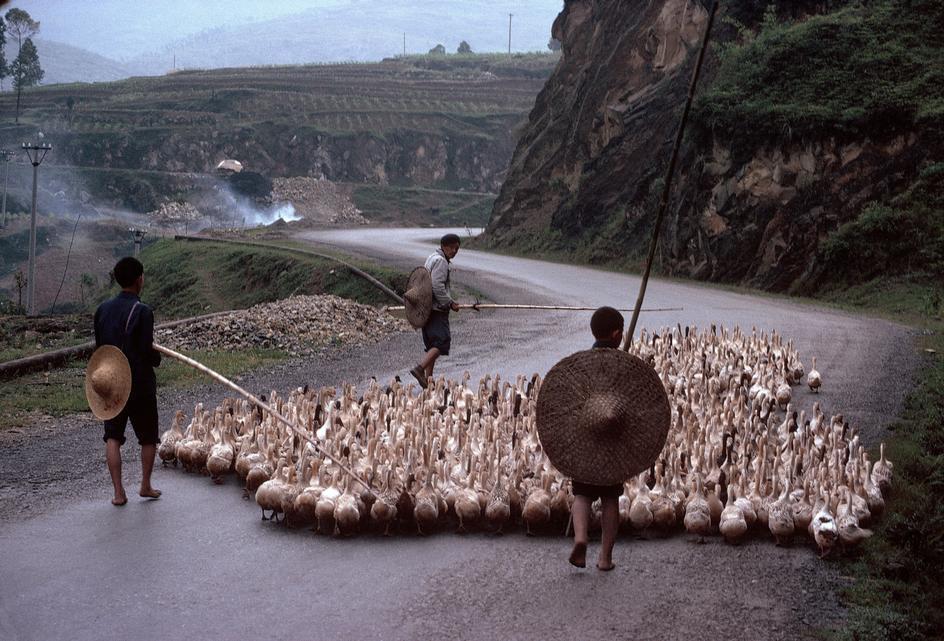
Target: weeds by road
{"type": "Point", "coordinates": [61, 391]}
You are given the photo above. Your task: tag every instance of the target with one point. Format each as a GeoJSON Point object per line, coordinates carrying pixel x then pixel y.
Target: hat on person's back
{"type": "Point", "coordinates": [418, 298]}
{"type": "Point", "coordinates": [107, 382]}
{"type": "Point", "coordinates": [602, 416]}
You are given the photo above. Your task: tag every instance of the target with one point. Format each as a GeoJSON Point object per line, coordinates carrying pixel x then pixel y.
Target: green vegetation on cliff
{"type": "Point", "coordinates": [904, 236]}
{"type": "Point", "coordinates": [872, 67]}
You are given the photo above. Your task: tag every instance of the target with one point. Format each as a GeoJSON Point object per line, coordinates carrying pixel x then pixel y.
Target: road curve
{"type": "Point", "coordinates": [199, 563]}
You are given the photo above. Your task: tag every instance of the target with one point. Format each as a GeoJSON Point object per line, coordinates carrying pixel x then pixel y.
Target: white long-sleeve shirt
{"type": "Point", "coordinates": [438, 266]}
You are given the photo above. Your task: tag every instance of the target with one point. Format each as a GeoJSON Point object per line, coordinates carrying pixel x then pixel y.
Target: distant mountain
{"type": "Point", "coordinates": [360, 31]}
{"type": "Point", "coordinates": [65, 63]}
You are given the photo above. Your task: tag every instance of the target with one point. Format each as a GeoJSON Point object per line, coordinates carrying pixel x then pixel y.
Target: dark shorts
{"type": "Point", "coordinates": [594, 492]}
{"type": "Point", "coordinates": [436, 332]}
{"type": "Point", "coordinates": [143, 415]}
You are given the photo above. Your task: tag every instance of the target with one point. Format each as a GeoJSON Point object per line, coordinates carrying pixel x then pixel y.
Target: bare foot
{"type": "Point", "coordinates": [119, 500]}
{"type": "Point", "coordinates": [605, 567]}
{"type": "Point", "coordinates": [150, 493]}
{"type": "Point", "coordinates": [578, 556]}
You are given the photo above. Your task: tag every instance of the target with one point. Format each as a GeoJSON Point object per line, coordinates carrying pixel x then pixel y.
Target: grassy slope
{"type": "Point", "coordinates": [872, 67]}
{"type": "Point", "coordinates": [63, 392]}
{"type": "Point", "coordinates": [406, 205]}
{"type": "Point", "coordinates": [185, 279]}
{"type": "Point", "coordinates": [898, 593]}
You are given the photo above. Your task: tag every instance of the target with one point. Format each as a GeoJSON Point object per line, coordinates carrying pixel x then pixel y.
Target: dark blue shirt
{"type": "Point", "coordinates": [127, 323]}
{"type": "Point", "coordinates": [604, 344]}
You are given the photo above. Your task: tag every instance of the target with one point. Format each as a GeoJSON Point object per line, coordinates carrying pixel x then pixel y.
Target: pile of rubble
{"type": "Point", "coordinates": [298, 325]}
{"type": "Point", "coordinates": [174, 212]}
{"type": "Point", "coordinates": [318, 200]}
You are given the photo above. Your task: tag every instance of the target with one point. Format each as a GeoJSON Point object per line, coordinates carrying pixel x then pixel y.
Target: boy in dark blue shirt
{"type": "Point", "coordinates": [127, 323]}
{"type": "Point", "coordinates": [607, 327]}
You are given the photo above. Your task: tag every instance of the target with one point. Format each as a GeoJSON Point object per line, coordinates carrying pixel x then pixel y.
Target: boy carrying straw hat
{"type": "Point", "coordinates": [127, 324]}
{"type": "Point", "coordinates": [602, 416]}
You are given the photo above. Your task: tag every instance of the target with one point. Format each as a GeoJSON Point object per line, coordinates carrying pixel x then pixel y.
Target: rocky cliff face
{"type": "Point", "coordinates": [602, 122]}
{"type": "Point", "coordinates": [745, 208]}
{"type": "Point", "coordinates": [476, 163]}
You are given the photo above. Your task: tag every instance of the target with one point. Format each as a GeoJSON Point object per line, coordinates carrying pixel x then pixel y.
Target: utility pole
{"type": "Point", "coordinates": [404, 44]}
{"type": "Point", "coordinates": [509, 33]}
{"type": "Point", "coordinates": [7, 156]}
{"type": "Point", "coordinates": [138, 236]}
{"type": "Point", "coordinates": [36, 154]}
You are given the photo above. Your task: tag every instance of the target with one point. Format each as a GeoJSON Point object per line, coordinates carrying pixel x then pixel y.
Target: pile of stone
{"type": "Point", "coordinates": [318, 200]}
{"type": "Point", "coordinates": [299, 325]}
{"type": "Point", "coordinates": [174, 212]}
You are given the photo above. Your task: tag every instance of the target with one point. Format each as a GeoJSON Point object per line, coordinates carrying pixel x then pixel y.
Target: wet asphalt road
{"type": "Point", "coordinates": [199, 563]}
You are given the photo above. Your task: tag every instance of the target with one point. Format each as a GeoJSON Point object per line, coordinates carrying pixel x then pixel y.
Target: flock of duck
{"type": "Point", "coordinates": [740, 457]}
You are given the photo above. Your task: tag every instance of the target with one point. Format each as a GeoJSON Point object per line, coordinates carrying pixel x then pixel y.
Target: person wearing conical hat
{"type": "Point", "coordinates": [606, 324]}
{"type": "Point", "coordinates": [128, 324]}
{"type": "Point", "coordinates": [437, 337]}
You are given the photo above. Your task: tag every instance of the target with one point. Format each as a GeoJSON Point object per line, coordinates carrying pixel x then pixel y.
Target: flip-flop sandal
{"type": "Point", "coordinates": [578, 556]}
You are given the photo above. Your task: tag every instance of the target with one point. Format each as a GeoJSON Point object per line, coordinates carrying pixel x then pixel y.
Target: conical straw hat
{"type": "Point", "coordinates": [418, 298]}
{"type": "Point", "coordinates": [602, 416]}
{"type": "Point", "coordinates": [107, 382]}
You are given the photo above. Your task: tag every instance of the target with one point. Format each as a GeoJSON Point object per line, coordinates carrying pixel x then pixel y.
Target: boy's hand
{"type": "Point", "coordinates": [454, 306]}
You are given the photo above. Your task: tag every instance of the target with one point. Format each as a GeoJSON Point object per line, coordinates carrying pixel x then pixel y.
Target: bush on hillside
{"type": "Point", "coordinates": [861, 70]}
{"type": "Point", "coordinates": [903, 236]}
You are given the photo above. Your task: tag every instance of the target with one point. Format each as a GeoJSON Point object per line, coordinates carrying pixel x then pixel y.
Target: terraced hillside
{"type": "Point", "coordinates": [443, 122]}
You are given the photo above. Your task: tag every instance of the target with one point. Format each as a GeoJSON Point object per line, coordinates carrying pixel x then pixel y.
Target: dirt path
{"type": "Point", "coordinates": [212, 565]}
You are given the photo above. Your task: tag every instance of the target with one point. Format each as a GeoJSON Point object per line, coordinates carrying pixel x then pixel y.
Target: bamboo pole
{"type": "Point", "coordinates": [670, 174]}
{"type": "Point", "coordinates": [478, 306]}
{"type": "Point", "coordinates": [303, 434]}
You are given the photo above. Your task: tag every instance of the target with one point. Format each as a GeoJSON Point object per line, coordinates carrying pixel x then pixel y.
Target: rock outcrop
{"type": "Point", "coordinates": [745, 208]}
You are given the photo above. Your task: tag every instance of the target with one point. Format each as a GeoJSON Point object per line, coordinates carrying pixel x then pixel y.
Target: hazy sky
{"type": "Point", "coordinates": [123, 29]}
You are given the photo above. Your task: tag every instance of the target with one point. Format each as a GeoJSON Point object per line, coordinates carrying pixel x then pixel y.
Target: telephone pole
{"type": "Point", "coordinates": [404, 44]}
{"type": "Point", "coordinates": [7, 156]}
{"type": "Point", "coordinates": [36, 154]}
{"type": "Point", "coordinates": [509, 33]}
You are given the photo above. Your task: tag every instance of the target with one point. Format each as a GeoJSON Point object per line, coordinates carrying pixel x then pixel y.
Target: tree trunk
{"type": "Point", "coordinates": [19, 90]}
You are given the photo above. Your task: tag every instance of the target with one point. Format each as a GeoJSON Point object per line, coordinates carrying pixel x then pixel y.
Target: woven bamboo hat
{"type": "Point", "coordinates": [602, 416]}
{"type": "Point", "coordinates": [107, 382]}
{"type": "Point", "coordinates": [418, 298]}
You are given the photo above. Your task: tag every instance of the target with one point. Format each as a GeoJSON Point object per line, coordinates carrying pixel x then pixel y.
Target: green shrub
{"type": "Point", "coordinates": [903, 236]}
{"type": "Point", "coordinates": [865, 68]}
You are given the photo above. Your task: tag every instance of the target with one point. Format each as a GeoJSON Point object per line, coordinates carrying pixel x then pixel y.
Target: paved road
{"type": "Point", "coordinates": [199, 563]}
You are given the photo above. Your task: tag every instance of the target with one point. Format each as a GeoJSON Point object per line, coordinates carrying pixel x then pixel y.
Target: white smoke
{"type": "Point", "coordinates": [285, 211]}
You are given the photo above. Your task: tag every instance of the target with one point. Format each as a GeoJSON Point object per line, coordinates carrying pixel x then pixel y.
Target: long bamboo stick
{"type": "Point", "coordinates": [478, 306]}
{"type": "Point", "coordinates": [670, 174]}
{"type": "Point", "coordinates": [303, 434]}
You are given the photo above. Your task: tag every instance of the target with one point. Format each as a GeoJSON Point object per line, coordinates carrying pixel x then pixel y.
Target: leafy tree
{"type": "Point", "coordinates": [22, 26]}
{"type": "Point", "coordinates": [438, 50]}
{"type": "Point", "coordinates": [4, 70]}
{"type": "Point", "coordinates": [464, 47]}
{"type": "Point", "coordinates": [25, 70]}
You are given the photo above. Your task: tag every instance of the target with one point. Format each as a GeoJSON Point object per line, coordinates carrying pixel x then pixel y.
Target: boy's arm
{"type": "Point", "coordinates": [98, 337]}
{"type": "Point", "coordinates": [438, 273]}
{"type": "Point", "coordinates": [147, 334]}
